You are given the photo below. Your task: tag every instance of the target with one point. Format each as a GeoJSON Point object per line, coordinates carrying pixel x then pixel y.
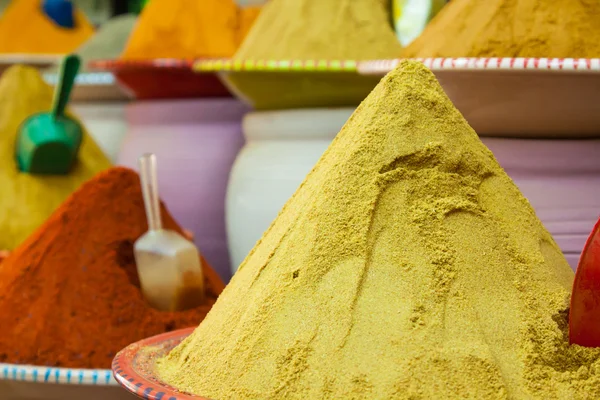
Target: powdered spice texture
{"type": "Point", "coordinates": [26, 29]}
{"type": "Point", "coordinates": [512, 28]}
{"type": "Point", "coordinates": [27, 200]}
{"type": "Point", "coordinates": [107, 43]}
{"type": "Point", "coordinates": [70, 296]}
{"type": "Point", "coordinates": [321, 30]}
{"type": "Point", "coordinates": [189, 29]}
{"type": "Point", "coordinates": [406, 266]}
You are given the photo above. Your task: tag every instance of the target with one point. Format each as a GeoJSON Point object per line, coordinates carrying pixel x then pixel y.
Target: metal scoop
{"type": "Point", "coordinates": [584, 316]}
{"type": "Point", "coordinates": [168, 265]}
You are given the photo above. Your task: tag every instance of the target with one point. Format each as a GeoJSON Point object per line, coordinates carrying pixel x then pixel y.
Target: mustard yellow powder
{"type": "Point", "coordinates": [512, 28]}
{"type": "Point", "coordinates": [322, 30]}
{"type": "Point", "coordinates": [314, 30]}
{"type": "Point", "coordinates": [406, 266]}
{"type": "Point", "coordinates": [27, 200]}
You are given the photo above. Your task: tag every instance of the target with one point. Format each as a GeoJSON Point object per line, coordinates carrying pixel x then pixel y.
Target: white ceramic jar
{"type": "Point", "coordinates": [561, 179]}
{"type": "Point", "coordinates": [105, 122]}
{"type": "Point", "coordinates": [281, 148]}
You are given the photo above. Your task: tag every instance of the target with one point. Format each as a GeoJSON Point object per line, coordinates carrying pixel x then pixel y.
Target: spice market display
{"type": "Point", "coordinates": [107, 43]}
{"type": "Point", "coordinates": [69, 294]}
{"type": "Point", "coordinates": [408, 264]}
{"type": "Point", "coordinates": [379, 276]}
{"type": "Point", "coordinates": [512, 28]}
{"type": "Point", "coordinates": [321, 30]}
{"type": "Point", "coordinates": [188, 30]}
{"type": "Point", "coordinates": [26, 29]}
{"type": "Point", "coordinates": [27, 200]}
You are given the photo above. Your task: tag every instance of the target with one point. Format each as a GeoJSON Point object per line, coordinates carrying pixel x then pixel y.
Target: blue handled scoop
{"type": "Point", "coordinates": [61, 12]}
{"type": "Point", "coordinates": [48, 142]}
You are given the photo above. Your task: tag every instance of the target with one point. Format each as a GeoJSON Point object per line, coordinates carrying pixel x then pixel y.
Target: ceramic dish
{"type": "Point", "coordinates": [33, 60]}
{"type": "Point", "coordinates": [292, 84]}
{"type": "Point", "coordinates": [518, 97]}
{"type": "Point", "coordinates": [162, 79]}
{"type": "Point", "coordinates": [133, 367]}
{"type": "Point", "coordinates": [28, 382]}
{"type": "Point", "coordinates": [93, 86]}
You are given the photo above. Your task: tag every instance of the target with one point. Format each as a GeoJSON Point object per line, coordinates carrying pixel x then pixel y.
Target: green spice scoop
{"type": "Point", "coordinates": [48, 142]}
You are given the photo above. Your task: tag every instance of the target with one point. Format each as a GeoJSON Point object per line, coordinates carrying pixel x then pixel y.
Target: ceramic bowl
{"type": "Point", "coordinates": [162, 79]}
{"type": "Point", "coordinates": [93, 86]}
{"type": "Point", "coordinates": [39, 61]}
{"type": "Point", "coordinates": [105, 121]}
{"type": "Point", "coordinates": [518, 97]}
{"type": "Point", "coordinates": [133, 367]}
{"type": "Point", "coordinates": [276, 85]}
{"type": "Point", "coordinates": [30, 382]}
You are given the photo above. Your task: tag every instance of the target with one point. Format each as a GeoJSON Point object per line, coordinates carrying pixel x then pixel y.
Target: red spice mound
{"type": "Point", "coordinates": [69, 295]}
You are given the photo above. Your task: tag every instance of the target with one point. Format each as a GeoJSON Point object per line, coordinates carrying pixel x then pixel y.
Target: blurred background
{"type": "Point", "coordinates": [99, 11]}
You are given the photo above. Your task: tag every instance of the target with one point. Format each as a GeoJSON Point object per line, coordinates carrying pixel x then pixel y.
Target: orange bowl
{"type": "Point", "coordinates": [133, 367]}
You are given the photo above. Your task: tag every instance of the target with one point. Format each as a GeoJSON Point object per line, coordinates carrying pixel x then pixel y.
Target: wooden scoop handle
{"type": "Point", "coordinates": [149, 182]}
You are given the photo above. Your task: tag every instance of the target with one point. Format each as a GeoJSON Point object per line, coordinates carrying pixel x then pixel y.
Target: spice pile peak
{"type": "Point", "coordinates": [407, 265]}
{"type": "Point", "coordinates": [70, 295]}
{"type": "Point", "coordinates": [322, 30]}
{"type": "Point", "coordinates": [108, 42]}
{"type": "Point", "coordinates": [189, 29]}
{"type": "Point", "coordinates": [28, 200]}
{"type": "Point", "coordinates": [512, 28]}
{"type": "Point", "coordinates": [25, 28]}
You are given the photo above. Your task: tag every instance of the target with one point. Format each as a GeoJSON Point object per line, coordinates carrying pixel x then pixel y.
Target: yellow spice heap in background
{"type": "Point", "coordinates": [246, 18]}
{"type": "Point", "coordinates": [27, 200]}
{"type": "Point", "coordinates": [512, 28]}
{"type": "Point", "coordinates": [24, 28]}
{"type": "Point", "coordinates": [406, 266]}
{"type": "Point", "coordinates": [189, 29]}
{"type": "Point", "coordinates": [322, 30]}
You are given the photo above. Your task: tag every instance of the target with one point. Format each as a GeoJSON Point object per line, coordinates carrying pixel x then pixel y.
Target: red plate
{"type": "Point", "coordinates": [162, 79]}
{"type": "Point", "coordinates": [133, 367]}
{"type": "Point", "coordinates": [584, 317]}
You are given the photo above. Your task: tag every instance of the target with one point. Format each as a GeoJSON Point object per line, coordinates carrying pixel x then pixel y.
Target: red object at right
{"type": "Point", "coordinates": [584, 317]}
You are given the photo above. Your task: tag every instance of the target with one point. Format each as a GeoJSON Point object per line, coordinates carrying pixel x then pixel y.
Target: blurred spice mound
{"type": "Point", "coordinates": [28, 200]}
{"type": "Point", "coordinates": [512, 28]}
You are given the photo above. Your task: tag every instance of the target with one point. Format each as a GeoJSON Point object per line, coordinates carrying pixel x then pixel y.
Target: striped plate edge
{"type": "Point", "coordinates": [363, 67]}
{"type": "Point", "coordinates": [437, 64]}
{"type": "Point", "coordinates": [67, 376]}
{"type": "Point", "coordinates": [229, 65]}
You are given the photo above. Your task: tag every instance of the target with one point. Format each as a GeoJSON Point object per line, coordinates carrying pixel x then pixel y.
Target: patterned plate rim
{"type": "Point", "coordinates": [145, 384]}
{"type": "Point", "coordinates": [84, 78]}
{"type": "Point", "coordinates": [65, 376]}
{"type": "Point", "coordinates": [119, 65]}
{"type": "Point", "coordinates": [588, 65]}
{"type": "Point", "coordinates": [230, 65]}
{"type": "Point", "coordinates": [369, 67]}
{"type": "Point", "coordinates": [24, 58]}
{"type": "Point", "coordinates": [384, 66]}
